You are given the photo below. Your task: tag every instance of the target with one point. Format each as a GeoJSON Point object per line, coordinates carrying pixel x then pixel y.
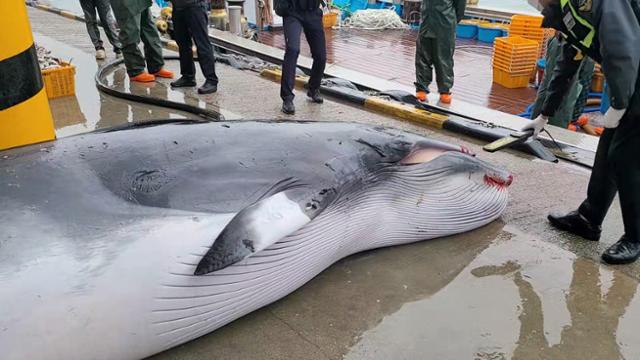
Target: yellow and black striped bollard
{"type": "Point", "coordinates": [25, 117]}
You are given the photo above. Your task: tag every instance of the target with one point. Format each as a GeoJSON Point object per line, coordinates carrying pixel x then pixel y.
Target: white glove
{"type": "Point", "coordinates": [537, 125]}
{"type": "Point", "coordinates": [612, 117]}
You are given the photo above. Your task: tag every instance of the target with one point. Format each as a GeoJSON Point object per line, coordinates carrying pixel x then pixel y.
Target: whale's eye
{"type": "Point", "coordinates": [426, 151]}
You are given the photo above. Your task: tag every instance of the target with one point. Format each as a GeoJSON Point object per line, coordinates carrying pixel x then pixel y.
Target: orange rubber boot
{"type": "Point", "coordinates": [583, 120]}
{"type": "Point", "coordinates": [445, 98]}
{"type": "Point", "coordinates": [164, 73]}
{"type": "Point", "coordinates": [143, 77]}
{"type": "Point", "coordinates": [421, 95]}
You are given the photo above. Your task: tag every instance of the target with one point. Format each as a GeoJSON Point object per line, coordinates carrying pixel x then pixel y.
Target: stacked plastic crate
{"type": "Point", "coordinates": [548, 34]}
{"type": "Point", "coordinates": [514, 60]}
{"type": "Point", "coordinates": [529, 27]}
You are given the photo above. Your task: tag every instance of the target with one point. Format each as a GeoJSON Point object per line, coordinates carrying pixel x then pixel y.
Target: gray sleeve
{"type": "Point", "coordinates": [620, 49]}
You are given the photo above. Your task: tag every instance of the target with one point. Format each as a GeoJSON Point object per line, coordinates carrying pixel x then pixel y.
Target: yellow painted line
{"type": "Point", "coordinates": [380, 105]}
{"type": "Point", "coordinates": [172, 45]}
{"type": "Point", "coordinates": [68, 15]}
{"type": "Point", "coordinates": [405, 112]}
{"type": "Point", "coordinates": [276, 75]}
{"type": "Point", "coordinates": [43, 7]}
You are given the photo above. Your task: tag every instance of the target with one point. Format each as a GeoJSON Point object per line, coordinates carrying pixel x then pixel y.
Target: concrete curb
{"type": "Point", "coordinates": [475, 129]}
{"type": "Point", "coordinates": [375, 104]}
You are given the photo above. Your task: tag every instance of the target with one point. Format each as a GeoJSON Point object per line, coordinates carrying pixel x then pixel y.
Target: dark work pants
{"type": "Point", "coordinates": [435, 53]}
{"type": "Point", "coordinates": [191, 23]}
{"type": "Point", "coordinates": [89, 8]}
{"type": "Point", "coordinates": [132, 30]}
{"type": "Point", "coordinates": [616, 169]}
{"type": "Point", "coordinates": [294, 23]}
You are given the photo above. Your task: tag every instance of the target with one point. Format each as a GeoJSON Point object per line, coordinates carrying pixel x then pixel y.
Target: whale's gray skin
{"type": "Point", "coordinates": [101, 234]}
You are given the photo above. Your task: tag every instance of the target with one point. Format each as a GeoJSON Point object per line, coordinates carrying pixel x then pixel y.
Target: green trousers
{"type": "Point", "coordinates": [562, 117]}
{"type": "Point", "coordinates": [616, 169]}
{"type": "Point", "coordinates": [585, 77]}
{"type": "Point", "coordinates": [132, 30]}
{"type": "Point", "coordinates": [435, 53]}
{"type": "Point", "coordinates": [574, 102]}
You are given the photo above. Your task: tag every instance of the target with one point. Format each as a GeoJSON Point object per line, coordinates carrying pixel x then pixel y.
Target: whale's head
{"type": "Point", "coordinates": [458, 162]}
{"type": "Point", "coordinates": [440, 189]}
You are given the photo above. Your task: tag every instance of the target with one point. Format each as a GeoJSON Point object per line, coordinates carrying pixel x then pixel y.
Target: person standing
{"type": "Point", "coordinates": [103, 8]}
{"type": "Point", "coordinates": [435, 46]}
{"type": "Point", "coordinates": [574, 102]}
{"type": "Point", "coordinates": [608, 31]}
{"type": "Point", "coordinates": [190, 21]}
{"type": "Point", "coordinates": [134, 18]}
{"type": "Point", "coordinates": [298, 16]}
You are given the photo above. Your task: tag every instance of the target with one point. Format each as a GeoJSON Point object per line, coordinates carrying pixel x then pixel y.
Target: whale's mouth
{"type": "Point", "coordinates": [425, 152]}
{"type": "Point", "coordinates": [498, 181]}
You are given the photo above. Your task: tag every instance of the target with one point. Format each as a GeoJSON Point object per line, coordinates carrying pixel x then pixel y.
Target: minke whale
{"type": "Point", "coordinates": [121, 244]}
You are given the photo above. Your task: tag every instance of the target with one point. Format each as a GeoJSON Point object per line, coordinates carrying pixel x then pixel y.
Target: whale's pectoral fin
{"type": "Point", "coordinates": [262, 224]}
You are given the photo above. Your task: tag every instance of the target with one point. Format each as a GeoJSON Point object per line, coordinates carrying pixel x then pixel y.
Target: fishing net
{"type": "Point", "coordinates": [375, 19]}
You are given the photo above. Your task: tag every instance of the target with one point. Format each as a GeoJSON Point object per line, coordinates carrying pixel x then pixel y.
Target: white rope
{"type": "Point", "coordinates": [375, 19]}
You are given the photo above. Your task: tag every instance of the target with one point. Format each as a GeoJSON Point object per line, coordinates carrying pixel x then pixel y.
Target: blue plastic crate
{"type": "Point", "coordinates": [467, 31]}
{"type": "Point", "coordinates": [488, 35]}
{"type": "Point", "coordinates": [542, 63]}
{"type": "Point", "coordinates": [605, 102]}
{"type": "Point", "coordinates": [350, 6]}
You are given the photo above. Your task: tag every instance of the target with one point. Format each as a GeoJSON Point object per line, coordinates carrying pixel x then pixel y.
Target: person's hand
{"type": "Point", "coordinates": [612, 118]}
{"type": "Point", "coordinates": [537, 125]}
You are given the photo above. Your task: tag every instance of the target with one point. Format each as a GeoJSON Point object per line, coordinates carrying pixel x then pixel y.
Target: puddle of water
{"type": "Point", "coordinates": [89, 109]}
{"type": "Point", "coordinates": [521, 298]}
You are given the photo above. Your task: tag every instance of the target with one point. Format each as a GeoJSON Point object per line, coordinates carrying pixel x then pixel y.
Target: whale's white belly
{"type": "Point", "coordinates": [141, 297]}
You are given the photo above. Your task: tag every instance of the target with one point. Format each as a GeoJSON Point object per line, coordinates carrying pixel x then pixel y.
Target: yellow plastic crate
{"type": "Point", "coordinates": [515, 43]}
{"type": "Point", "coordinates": [526, 30]}
{"type": "Point", "coordinates": [513, 68]}
{"type": "Point", "coordinates": [516, 57]}
{"type": "Point", "coordinates": [329, 19]}
{"type": "Point", "coordinates": [529, 20]}
{"type": "Point", "coordinates": [509, 80]}
{"type": "Point", "coordinates": [60, 81]}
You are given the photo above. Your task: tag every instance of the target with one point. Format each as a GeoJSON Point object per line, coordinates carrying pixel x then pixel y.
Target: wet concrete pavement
{"type": "Point", "coordinates": [390, 55]}
{"type": "Point", "coordinates": [513, 289]}
{"type": "Point", "coordinates": [89, 109]}
{"type": "Point", "coordinates": [520, 298]}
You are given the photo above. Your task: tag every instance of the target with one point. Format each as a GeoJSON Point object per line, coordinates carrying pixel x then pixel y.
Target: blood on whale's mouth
{"type": "Point", "coordinates": [498, 181]}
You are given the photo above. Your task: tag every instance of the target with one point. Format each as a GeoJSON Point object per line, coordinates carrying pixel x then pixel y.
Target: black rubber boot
{"type": "Point", "coordinates": [288, 107]}
{"type": "Point", "coordinates": [209, 87]}
{"type": "Point", "coordinates": [314, 95]}
{"type": "Point", "coordinates": [625, 251]}
{"type": "Point", "coordinates": [184, 82]}
{"type": "Point", "coordinates": [576, 224]}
